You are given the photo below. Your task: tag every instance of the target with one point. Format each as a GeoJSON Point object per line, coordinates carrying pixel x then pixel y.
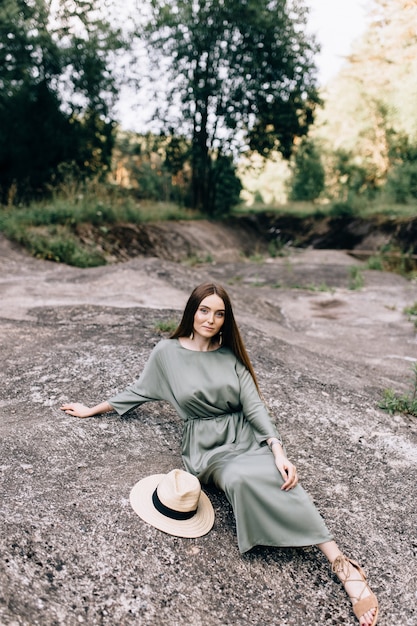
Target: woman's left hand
{"type": "Point", "coordinates": [288, 472]}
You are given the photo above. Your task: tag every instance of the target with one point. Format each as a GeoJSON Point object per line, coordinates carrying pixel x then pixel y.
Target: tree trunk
{"type": "Point", "coordinates": [202, 194]}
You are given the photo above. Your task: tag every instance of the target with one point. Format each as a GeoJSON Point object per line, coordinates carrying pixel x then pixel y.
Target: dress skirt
{"type": "Point", "coordinates": [246, 472]}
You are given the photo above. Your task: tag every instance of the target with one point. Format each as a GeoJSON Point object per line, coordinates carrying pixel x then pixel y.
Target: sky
{"type": "Point", "coordinates": [336, 24]}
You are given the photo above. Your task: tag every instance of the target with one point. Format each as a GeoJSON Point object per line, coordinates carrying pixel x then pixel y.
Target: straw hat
{"type": "Point", "coordinates": [173, 503]}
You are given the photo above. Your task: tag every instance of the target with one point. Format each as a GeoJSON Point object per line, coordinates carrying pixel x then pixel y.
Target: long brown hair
{"type": "Point", "coordinates": [231, 336]}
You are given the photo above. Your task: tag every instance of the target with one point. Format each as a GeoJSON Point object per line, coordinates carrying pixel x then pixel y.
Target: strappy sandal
{"type": "Point", "coordinates": [340, 566]}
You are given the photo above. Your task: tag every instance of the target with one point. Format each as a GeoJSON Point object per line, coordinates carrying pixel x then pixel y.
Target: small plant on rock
{"type": "Point", "coordinates": [411, 311]}
{"type": "Point", "coordinates": [396, 403]}
{"type": "Point", "coordinates": [166, 326]}
{"type": "Point", "coordinates": [356, 280]}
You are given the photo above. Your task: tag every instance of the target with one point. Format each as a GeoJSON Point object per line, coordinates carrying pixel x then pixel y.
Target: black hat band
{"type": "Point", "coordinates": [171, 513]}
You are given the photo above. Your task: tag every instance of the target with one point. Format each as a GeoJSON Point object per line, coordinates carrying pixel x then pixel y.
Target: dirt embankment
{"type": "Point", "coordinates": [74, 552]}
{"type": "Point", "coordinates": [245, 236]}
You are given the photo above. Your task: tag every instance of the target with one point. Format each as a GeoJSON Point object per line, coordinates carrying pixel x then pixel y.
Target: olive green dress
{"type": "Point", "coordinates": [226, 425]}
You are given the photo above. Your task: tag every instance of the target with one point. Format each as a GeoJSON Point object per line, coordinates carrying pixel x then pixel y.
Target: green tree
{"type": "Point", "coordinates": [401, 183]}
{"type": "Point", "coordinates": [370, 105]}
{"type": "Point", "coordinates": [56, 92]}
{"type": "Point", "coordinates": [241, 75]}
{"type": "Point", "coordinates": [307, 181]}
{"type": "Point", "coordinates": [155, 165]}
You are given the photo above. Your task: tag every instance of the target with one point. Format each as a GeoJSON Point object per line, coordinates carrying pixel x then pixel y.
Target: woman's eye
{"type": "Point", "coordinates": [203, 310]}
{"type": "Point", "coordinates": [220, 314]}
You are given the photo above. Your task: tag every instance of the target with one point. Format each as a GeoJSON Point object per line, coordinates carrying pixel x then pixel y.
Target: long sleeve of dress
{"type": "Point", "coordinates": [151, 385]}
{"type": "Point", "coordinates": [253, 407]}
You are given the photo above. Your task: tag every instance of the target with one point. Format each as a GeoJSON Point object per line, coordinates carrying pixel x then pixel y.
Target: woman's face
{"type": "Point", "coordinates": [209, 317]}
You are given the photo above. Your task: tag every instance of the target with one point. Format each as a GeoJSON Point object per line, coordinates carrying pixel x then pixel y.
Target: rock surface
{"type": "Point", "coordinates": [74, 552]}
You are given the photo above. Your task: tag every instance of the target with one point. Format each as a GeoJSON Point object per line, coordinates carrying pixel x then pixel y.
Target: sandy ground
{"type": "Point", "coordinates": [74, 552]}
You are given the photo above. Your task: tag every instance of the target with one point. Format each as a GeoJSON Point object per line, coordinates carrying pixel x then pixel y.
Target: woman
{"type": "Point", "coordinates": [204, 371]}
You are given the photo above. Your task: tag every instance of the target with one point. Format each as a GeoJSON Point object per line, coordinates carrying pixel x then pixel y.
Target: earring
{"type": "Point", "coordinates": [192, 335]}
{"type": "Point", "coordinates": [220, 338]}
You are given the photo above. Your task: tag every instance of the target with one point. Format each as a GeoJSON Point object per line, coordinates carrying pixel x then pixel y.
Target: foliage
{"type": "Point", "coordinates": [401, 183]}
{"type": "Point", "coordinates": [384, 60]}
{"type": "Point", "coordinates": [51, 229]}
{"type": "Point", "coordinates": [56, 93]}
{"type": "Point", "coordinates": [307, 181]}
{"type": "Point", "coordinates": [356, 280]}
{"type": "Point", "coordinates": [166, 326]}
{"type": "Point", "coordinates": [369, 110]}
{"type": "Point", "coordinates": [241, 74]}
{"type": "Point", "coordinates": [351, 178]}
{"type": "Point", "coordinates": [398, 261]}
{"type": "Point", "coordinates": [264, 181]}
{"type": "Point", "coordinates": [192, 260]}
{"type": "Point", "coordinates": [153, 167]}
{"type": "Point", "coordinates": [411, 311]}
{"type": "Point", "coordinates": [343, 209]}
{"type": "Point", "coordinates": [375, 263]}
{"type": "Point", "coordinates": [154, 183]}
{"type": "Point", "coordinates": [403, 403]}
{"type": "Point", "coordinates": [393, 402]}
{"type": "Point", "coordinates": [226, 185]}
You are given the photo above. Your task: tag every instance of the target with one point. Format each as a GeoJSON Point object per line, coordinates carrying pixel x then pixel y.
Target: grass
{"type": "Point", "coordinates": [322, 287]}
{"type": "Point", "coordinates": [356, 280]}
{"type": "Point", "coordinates": [388, 259]}
{"type": "Point", "coordinates": [166, 326]}
{"type": "Point", "coordinates": [235, 280]}
{"type": "Point", "coordinates": [193, 260]}
{"type": "Point", "coordinates": [375, 263]}
{"type": "Point", "coordinates": [257, 258]}
{"type": "Point", "coordinates": [393, 402]}
{"type": "Point", "coordinates": [47, 229]}
{"type": "Point", "coordinates": [359, 208]}
{"type": "Point", "coordinates": [411, 311]}
{"type": "Point", "coordinates": [392, 259]}
{"type": "Point", "coordinates": [388, 210]}
{"type": "Point", "coordinates": [277, 248]}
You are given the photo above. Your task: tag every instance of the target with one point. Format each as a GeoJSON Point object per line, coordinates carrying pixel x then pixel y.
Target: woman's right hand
{"type": "Point", "coordinates": [80, 410]}
{"type": "Point", "coordinates": [77, 409]}
{"type": "Point", "coordinates": [287, 470]}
